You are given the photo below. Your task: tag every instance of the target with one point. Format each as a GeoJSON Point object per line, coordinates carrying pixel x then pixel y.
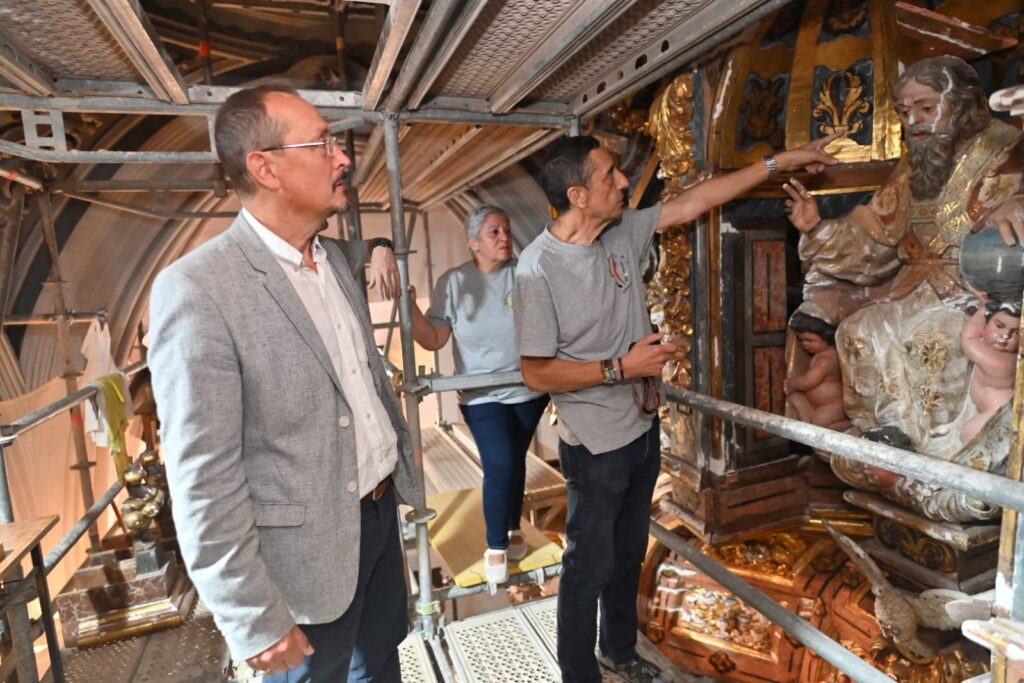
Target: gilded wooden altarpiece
{"type": "Point", "coordinates": [756, 505]}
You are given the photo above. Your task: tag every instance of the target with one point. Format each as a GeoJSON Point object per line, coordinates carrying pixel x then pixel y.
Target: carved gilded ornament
{"type": "Point", "coordinates": [847, 15]}
{"type": "Point", "coordinates": [722, 616]}
{"type": "Point", "coordinates": [668, 294]}
{"type": "Point", "coordinates": [995, 190]}
{"type": "Point", "coordinates": [627, 119]}
{"type": "Point", "coordinates": [848, 112]}
{"type": "Point", "coordinates": [953, 664]}
{"type": "Point", "coordinates": [722, 663]}
{"type": "Point", "coordinates": [916, 546]}
{"type": "Point", "coordinates": [761, 106]}
{"type": "Point", "coordinates": [774, 555]}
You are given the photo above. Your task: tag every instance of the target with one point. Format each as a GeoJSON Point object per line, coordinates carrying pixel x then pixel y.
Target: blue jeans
{"type": "Point", "coordinates": [362, 644]}
{"type": "Point", "coordinates": [503, 432]}
{"type": "Point", "coordinates": [609, 514]}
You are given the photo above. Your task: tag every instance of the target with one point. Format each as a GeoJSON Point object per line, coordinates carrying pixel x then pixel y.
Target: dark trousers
{"type": "Point", "coordinates": [609, 514]}
{"type": "Point", "coordinates": [362, 644]}
{"type": "Point", "coordinates": [503, 433]}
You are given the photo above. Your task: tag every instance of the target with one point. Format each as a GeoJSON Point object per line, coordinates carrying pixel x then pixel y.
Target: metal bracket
{"type": "Point", "coordinates": [32, 120]}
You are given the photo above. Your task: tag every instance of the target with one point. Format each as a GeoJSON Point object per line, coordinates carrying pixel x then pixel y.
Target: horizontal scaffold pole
{"type": "Point", "coordinates": [985, 486]}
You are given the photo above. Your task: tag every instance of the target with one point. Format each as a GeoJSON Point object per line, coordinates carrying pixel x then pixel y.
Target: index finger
{"type": "Point", "coordinates": [792, 191]}
{"type": "Point", "coordinates": [838, 133]}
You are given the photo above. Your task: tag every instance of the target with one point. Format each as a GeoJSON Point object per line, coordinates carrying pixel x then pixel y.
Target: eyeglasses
{"type": "Point", "coordinates": [330, 145]}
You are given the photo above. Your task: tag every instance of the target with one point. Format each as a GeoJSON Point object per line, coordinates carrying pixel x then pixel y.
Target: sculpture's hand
{"type": "Point", "coordinates": [384, 272]}
{"type": "Point", "coordinates": [801, 207]}
{"type": "Point", "coordinates": [1008, 217]}
{"type": "Point", "coordinates": [283, 655]}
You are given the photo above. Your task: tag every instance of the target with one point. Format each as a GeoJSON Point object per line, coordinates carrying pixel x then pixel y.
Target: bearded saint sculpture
{"type": "Point", "coordinates": [887, 274]}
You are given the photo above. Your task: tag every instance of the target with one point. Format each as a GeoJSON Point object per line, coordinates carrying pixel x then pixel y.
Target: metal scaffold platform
{"type": "Point", "coordinates": [512, 645]}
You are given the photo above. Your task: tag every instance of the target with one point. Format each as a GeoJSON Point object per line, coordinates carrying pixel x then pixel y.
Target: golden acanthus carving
{"type": "Point", "coordinates": [668, 295]}
{"type": "Point", "coordinates": [846, 114]}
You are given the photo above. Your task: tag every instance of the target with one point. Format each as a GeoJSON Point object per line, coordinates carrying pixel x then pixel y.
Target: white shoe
{"type": "Point", "coordinates": [516, 545]}
{"type": "Point", "coordinates": [495, 573]}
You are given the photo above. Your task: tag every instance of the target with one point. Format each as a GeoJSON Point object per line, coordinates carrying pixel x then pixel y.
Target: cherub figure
{"type": "Point", "coordinates": [817, 393]}
{"type": "Point", "coordinates": [990, 339]}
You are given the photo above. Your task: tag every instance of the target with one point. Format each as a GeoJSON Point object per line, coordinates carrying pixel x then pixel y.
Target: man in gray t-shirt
{"type": "Point", "coordinates": [585, 337]}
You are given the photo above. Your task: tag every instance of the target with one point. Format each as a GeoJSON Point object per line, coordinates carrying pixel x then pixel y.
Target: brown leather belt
{"type": "Point", "coordinates": [378, 491]}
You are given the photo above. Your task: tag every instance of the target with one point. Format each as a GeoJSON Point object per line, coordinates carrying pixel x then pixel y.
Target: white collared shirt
{"type": "Point", "coordinates": [335, 320]}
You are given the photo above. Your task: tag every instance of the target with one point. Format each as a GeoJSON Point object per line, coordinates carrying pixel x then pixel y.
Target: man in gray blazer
{"type": "Point", "coordinates": [285, 446]}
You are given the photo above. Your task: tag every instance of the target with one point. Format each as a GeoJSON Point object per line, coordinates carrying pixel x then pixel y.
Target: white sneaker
{"type": "Point", "coordinates": [495, 573]}
{"type": "Point", "coordinates": [516, 545]}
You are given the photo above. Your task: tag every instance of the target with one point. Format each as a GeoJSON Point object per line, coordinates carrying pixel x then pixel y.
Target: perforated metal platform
{"type": "Point", "coordinates": [196, 652]}
{"type": "Point", "coordinates": [500, 647]}
{"type": "Point", "coordinates": [519, 645]}
{"type": "Point", "coordinates": [417, 666]}
{"type": "Point", "coordinates": [193, 652]}
{"type": "Point", "coordinates": [543, 616]}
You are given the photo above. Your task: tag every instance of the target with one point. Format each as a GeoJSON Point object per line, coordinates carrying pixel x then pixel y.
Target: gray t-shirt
{"type": "Point", "coordinates": [478, 308]}
{"type": "Point", "coordinates": [586, 303]}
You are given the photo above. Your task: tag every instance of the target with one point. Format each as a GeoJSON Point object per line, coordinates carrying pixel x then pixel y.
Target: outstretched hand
{"type": "Point", "coordinates": [812, 157]}
{"type": "Point", "coordinates": [647, 357]}
{"type": "Point", "coordinates": [801, 207]}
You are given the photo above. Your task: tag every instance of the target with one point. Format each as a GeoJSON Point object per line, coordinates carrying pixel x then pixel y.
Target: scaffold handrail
{"type": "Point", "coordinates": [9, 433]}
{"type": "Point", "coordinates": [991, 488]}
{"type": "Point", "coordinates": [441, 383]}
{"type": "Point", "coordinates": [823, 646]}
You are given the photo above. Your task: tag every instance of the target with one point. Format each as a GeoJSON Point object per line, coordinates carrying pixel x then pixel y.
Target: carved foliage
{"type": "Point", "coordinates": [842, 100]}
{"type": "Point", "coordinates": [761, 111]}
{"type": "Point", "coordinates": [915, 546]}
{"type": "Point", "coordinates": [668, 294]}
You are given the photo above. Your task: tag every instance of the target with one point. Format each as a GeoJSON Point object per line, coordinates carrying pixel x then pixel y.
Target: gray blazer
{"type": "Point", "coordinates": [257, 439]}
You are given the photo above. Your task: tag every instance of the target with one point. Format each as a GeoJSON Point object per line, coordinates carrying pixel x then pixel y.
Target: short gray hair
{"type": "Point", "coordinates": [243, 126]}
{"type": "Point", "coordinates": [475, 219]}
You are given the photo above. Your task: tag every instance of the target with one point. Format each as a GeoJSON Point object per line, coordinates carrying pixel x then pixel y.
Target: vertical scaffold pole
{"type": "Point", "coordinates": [205, 56]}
{"type": "Point", "coordinates": [56, 285]}
{"type": "Point", "coordinates": [17, 615]}
{"type": "Point", "coordinates": [430, 292]}
{"type": "Point", "coordinates": [353, 219]}
{"type": "Point", "coordinates": [1010, 565]}
{"type": "Point", "coordinates": [425, 605]}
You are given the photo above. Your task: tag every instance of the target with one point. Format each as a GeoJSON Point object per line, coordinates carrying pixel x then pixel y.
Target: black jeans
{"type": "Point", "coordinates": [609, 514]}
{"type": "Point", "coordinates": [503, 432]}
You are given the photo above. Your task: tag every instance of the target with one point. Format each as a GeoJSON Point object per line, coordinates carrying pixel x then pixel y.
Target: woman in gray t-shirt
{"type": "Point", "coordinates": [473, 304]}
